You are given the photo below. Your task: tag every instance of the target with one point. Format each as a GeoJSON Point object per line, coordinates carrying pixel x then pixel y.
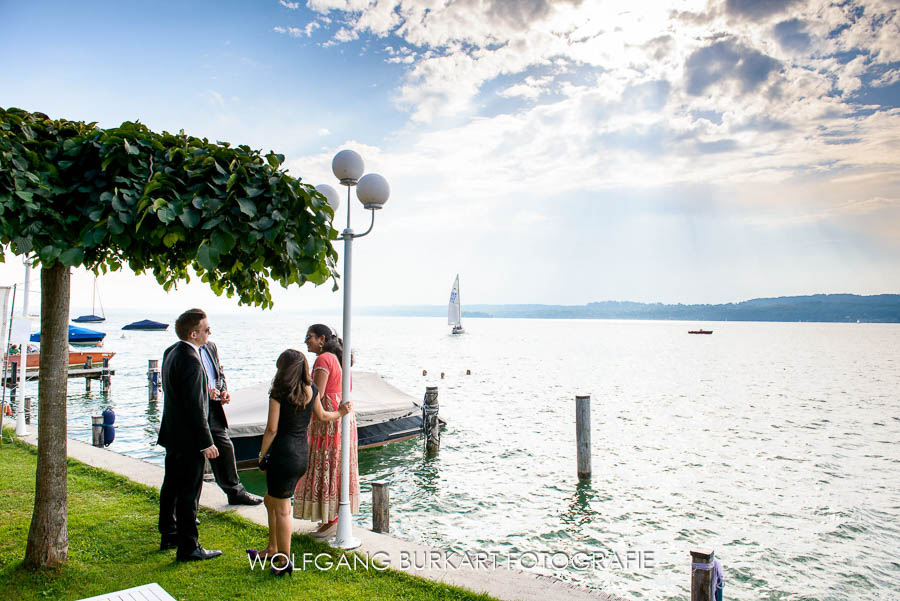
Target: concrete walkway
{"type": "Point", "coordinates": [499, 582]}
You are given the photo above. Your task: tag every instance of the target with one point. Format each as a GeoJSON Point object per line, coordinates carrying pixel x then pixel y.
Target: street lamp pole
{"type": "Point", "coordinates": [372, 191]}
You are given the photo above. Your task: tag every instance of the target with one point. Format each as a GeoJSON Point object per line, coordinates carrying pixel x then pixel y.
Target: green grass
{"type": "Point", "coordinates": [113, 545]}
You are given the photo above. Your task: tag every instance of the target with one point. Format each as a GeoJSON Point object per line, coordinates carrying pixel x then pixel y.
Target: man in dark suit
{"type": "Point", "coordinates": [184, 432]}
{"type": "Point", "coordinates": [224, 467]}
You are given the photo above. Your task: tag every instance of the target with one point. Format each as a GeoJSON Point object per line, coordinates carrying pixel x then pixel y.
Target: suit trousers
{"type": "Point", "coordinates": [179, 497]}
{"type": "Point", "coordinates": [224, 467]}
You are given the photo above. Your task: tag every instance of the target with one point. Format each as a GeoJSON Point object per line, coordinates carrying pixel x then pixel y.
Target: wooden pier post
{"type": "Point", "coordinates": [431, 424]}
{"type": "Point", "coordinates": [153, 378]}
{"type": "Point", "coordinates": [105, 378]}
{"type": "Point", "coordinates": [381, 507]}
{"type": "Point", "coordinates": [88, 363]}
{"type": "Point", "coordinates": [583, 435]}
{"type": "Point", "coordinates": [702, 578]}
{"type": "Point", "coordinates": [97, 430]}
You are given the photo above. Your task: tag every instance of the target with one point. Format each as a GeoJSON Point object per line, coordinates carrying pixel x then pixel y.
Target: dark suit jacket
{"type": "Point", "coordinates": [216, 411]}
{"type": "Point", "coordinates": [185, 416]}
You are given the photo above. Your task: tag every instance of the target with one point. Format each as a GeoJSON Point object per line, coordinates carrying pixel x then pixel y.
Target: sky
{"type": "Point", "coordinates": [562, 152]}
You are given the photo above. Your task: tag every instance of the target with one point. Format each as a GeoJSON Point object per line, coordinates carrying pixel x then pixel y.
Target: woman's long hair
{"type": "Point", "coordinates": [291, 380]}
{"type": "Point", "coordinates": [333, 344]}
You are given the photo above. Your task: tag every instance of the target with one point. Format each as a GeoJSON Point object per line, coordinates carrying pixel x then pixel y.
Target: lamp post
{"type": "Point", "coordinates": [372, 191]}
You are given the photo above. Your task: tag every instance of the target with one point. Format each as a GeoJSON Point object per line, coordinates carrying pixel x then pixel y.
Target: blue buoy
{"type": "Point", "coordinates": [109, 428]}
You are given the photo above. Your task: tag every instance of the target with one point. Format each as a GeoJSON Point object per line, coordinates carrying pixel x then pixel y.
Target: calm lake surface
{"type": "Point", "coordinates": [776, 444]}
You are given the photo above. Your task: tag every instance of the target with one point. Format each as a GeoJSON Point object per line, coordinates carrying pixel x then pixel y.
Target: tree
{"type": "Point", "coordinates": [73, 194]}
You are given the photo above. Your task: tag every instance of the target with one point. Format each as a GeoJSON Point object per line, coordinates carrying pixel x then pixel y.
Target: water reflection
{"type": "Point", "coordinates": [579, 512]}
{"type": "Point", "coordinates": [428, 476]}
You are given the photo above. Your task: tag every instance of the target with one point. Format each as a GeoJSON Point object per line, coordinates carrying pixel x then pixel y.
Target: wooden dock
{"type": "Point", "coordinates": [89, 373]}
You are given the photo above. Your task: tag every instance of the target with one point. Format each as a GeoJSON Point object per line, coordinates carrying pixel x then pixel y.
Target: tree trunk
{"type": "Point", "coordinates": [48, 538]}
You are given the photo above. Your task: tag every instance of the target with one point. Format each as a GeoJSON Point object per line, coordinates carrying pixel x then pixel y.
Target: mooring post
{"type": "Point", "coordinates": [88, 362]}
{"type": "Point", "coordinates": [105, 379]}
{"type": "Point", "coordinates": [153, 378]}
{"type": "Point", "coordinates": [583, 435]}
{"type": "Point", "coordinates": [97, 428]}
{"type": "Point", "coordinates": [702, 578]}
{"type": "Point", "coordinates": [431, 424]}
{"type": "Point", "coordinates": [381, 507]}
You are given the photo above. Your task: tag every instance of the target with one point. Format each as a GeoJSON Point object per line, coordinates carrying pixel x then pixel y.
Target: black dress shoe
{"type": "Point", "coordinates": [287, 568]}
{"type": "Point", "coordinates": [198, 554]}
{"type": "Point", "coordinates": [169, 541]}
{"type": "Point", "coordinates": [244, 498]}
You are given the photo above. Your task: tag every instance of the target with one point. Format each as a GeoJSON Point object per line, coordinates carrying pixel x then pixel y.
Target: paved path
{"type": "Point", "coordinates": [502, 583]}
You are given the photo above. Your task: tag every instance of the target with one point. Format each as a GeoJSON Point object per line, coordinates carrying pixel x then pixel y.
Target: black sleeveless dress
{"type": "Point", "coordinates": [289, 452]}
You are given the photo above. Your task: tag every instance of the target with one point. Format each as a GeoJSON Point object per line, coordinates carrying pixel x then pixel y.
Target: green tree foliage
{"type": "Point", "coordinates": [102, 198]}
{"type": "Point", "coordinates": [72, 194]}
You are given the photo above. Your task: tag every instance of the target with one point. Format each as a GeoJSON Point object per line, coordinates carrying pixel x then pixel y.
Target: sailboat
{"type": "Point", "coordinates": [454, 311]}
{"type": "Point", "coordinates": [93, 317]}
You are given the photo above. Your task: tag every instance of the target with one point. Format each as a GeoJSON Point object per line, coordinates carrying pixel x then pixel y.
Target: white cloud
{"type": "Point", "coordinates": [346, 35]}
{"type": "Point", "coordinates": [296, 32]}
{"type": "Point", "coordinates": [775, 129]}
{"type": "Point", "coordinates": [290, 5]}
{"type": "Point", "coordinates": [216, 98]}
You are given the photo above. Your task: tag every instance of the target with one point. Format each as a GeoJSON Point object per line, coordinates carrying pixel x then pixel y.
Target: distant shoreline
{"type": "Point", "coordinates": [826, 308]}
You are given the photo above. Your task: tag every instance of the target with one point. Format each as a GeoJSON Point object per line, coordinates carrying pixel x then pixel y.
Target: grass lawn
{"type": "Point", "coordinates": [113, 545]}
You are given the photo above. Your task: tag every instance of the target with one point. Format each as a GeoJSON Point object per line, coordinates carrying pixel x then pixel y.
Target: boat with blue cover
{"type": "Point", "coordinates": [147, 325]}
{"type": "Point", "coordinates": [79, 337]}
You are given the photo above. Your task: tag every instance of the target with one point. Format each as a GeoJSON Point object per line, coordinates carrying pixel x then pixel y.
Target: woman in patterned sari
{"type": "Point", "coordinates": [318, 493]}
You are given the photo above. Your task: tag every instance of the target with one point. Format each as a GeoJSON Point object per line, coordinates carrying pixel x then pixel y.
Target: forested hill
{"type": "Point", "coordinates": [818, 307]}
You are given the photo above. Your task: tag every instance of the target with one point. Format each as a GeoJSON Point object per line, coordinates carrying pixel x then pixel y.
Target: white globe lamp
{"type": "Point", "coordinates": [373, 191]}
{"type": "Point", "coordinates": [331, 196]}
{"type": "Point", "coordinates": [348, 167]}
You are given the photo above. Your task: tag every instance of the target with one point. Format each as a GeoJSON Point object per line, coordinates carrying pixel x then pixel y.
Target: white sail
{"type": "Point", "coordinates": [454, 312]}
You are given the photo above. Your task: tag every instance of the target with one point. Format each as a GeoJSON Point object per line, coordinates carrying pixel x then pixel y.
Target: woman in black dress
{"type": "Point", "coordinates": [283, 454]}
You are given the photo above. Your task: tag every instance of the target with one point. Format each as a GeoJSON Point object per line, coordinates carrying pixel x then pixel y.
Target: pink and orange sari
{"type": "Point", "coordinates": [318, 492]}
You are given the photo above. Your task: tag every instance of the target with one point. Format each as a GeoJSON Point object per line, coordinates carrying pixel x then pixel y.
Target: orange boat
{"type": "Point", "coordinates": [76, 358]}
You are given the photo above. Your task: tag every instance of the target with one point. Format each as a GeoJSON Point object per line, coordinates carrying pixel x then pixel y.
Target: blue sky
{"type": "Point", "coordinates": [547, 151]}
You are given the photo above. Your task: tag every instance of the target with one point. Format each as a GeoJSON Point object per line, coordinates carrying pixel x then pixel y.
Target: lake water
{"type": "Point", "coordinates": [776, 444]}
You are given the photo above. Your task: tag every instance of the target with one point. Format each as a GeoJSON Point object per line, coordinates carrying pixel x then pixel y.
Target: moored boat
{"type": "Point", "coordinates": [700, 331]}
{"type": "Point", "coordinates": [78, 337]}
{"type": "Point", "coordinates": [384, 415]}
{"type": "Point", "coordinates": [93, 317]}
{"type": "Point", "coordinates": [147, 325]}
{"type": "Point", "coordinates": [76, 358]}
